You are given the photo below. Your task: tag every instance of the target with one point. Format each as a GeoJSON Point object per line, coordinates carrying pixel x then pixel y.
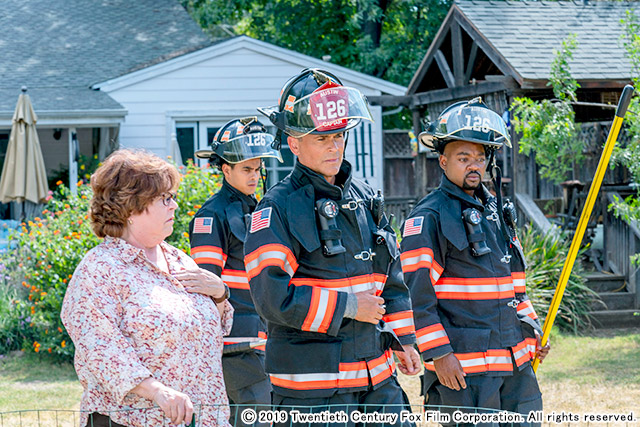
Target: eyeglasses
{"type": "Point", "coordinates": [168, 197]}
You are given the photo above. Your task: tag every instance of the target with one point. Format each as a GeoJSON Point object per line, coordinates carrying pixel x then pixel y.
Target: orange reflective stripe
{"type": "Point", "coordinates": [351, 374]}
{"type": "Point", "coordinates": [525, 308]}
{"type": "Point", "coordinates": [524, 351]}
{"type": "Point", "coordinates": [349, 284]}
{"type": "Point", "coordinates": [489, 361]}
{"type": "Point", "coordinates": [519, 281]}
{"type": "Point", "coordinates": [321, 309]}
{"type": "Point", "coordinates": [421, 258]}
{"type": "Point", "coordinates": [209, 255]}
{"type": "Point", "coordinates": [235, 279]}
{"type": "Point", "coordinates": [270, 255]}
{"type": "Point", "coordinates": [401, 322]}
{"type": "Point", "coordinates": [474, 288]}
{"type": "Point", "coordinates": [431, 337]}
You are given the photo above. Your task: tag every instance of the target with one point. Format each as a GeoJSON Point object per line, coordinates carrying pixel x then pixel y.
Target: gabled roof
{"type": "Point", "coordinates": [59, 48]}
{"type": "Point", "coordinates": [520, 37]}
{"type": "Point", "coordinates": [244, 42]}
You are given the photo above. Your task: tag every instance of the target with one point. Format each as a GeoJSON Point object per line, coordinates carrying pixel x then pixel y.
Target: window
{"type": "Point", "coordinates": [187, 136]}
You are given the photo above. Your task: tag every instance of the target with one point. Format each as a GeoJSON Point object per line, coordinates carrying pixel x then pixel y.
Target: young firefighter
{"type": "Point", "coordinates": [324, 267]}
{"type": "Point", "coordinates": [464, 266]}
{"type": "Point", "coordinates": [217, 233]}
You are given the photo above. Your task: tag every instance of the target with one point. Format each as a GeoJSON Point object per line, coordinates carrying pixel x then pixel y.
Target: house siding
{"type": "Point", "coordinates": [218, 89]}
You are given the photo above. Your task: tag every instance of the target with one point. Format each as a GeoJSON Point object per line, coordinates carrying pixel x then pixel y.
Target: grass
{"type": "Point", "coordinates": [599, 372]}
{"type": "Point", "coordinates": [29, 382]}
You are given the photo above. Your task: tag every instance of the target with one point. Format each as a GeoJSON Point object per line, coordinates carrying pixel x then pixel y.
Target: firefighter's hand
{"type": "Point", "coordinates": [409, 360]}
{"type": "Point", "coordinates": [176, 406]}
{"type": "Point", "coordinates": [541, 352]}
{"type": "Point", "coordinates": [370, 307]}
{"type": "Point", "coordinates": [201, 281]}
{"type": "Point", "coordinates": [450, 372]}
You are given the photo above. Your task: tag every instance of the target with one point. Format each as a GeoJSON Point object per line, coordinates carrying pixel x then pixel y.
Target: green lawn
{"type": "Point", "coordinates": [595, 373]}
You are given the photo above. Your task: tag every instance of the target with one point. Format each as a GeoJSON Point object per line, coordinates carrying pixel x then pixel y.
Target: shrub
{"type": "Point", "coordinates": [50, 247]}
{"type": "Point", "coordinates": [545, 256]}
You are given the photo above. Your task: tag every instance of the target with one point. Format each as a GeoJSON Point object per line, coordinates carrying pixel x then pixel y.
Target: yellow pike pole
{"type": "Point", "coordinates": [585, 215]}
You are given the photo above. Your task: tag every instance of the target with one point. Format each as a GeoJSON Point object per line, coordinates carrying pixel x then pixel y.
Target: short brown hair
{"type": "Point", "coordinates": [127, 183]}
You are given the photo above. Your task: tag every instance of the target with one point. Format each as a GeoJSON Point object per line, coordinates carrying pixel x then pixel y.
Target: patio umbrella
{"type": "Point", "coordinates": [24, 177]}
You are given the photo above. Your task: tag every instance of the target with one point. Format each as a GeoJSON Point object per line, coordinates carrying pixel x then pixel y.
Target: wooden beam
{"type": "Point", "coordinates": [444, 69]}
{"type": "Point", "coordinates": [428, 57]}
{"type": "Point", "coordinates": [494, 55]}
{"type": "Point", "coordinates": [471, 62]}
{"type": "Point", "coordinates": [457, 54]}
{"type": "Point", "coordinates": [469, 91]}
{"type": "Point", "coordinates": [533, 213]}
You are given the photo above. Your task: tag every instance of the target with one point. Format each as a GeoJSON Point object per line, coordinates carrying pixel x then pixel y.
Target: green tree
{"type": "Point", "coordinates": [629, 155]}
{"type": "Point", "coordinates": [383, 38]}
{"type": "Point", "coordinates": [548, 127]}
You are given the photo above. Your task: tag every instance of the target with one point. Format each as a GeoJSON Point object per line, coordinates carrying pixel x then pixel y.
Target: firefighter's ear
{"type": "Point", "coordinates": [442, 161]}
{"type": "Point", "coordinates": [294, 145]}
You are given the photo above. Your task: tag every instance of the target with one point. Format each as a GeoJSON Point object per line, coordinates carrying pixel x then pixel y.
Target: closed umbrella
{"type": "Point", "coordinates": [24, 177]}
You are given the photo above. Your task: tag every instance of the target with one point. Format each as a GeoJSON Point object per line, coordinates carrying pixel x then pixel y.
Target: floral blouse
{"type": "Point", "coordinates": [129, 321]}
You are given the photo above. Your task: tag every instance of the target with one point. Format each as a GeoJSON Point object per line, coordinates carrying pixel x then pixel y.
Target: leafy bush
{"type": "Point", "coordinates": [548, 126]}
{"type": "Point", "coordinates": [545, 256]}
{"type": "Point", "coordinates": [48, 250]}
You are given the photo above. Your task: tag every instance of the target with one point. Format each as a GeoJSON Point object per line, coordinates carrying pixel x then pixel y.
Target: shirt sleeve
{"type": "Point", "coordinates": [209, 243]}
{"type": "Point", "coordinates": [423, 254]}
{"type": "Point", "coordinates": [271, 262]}
{"type": "Point", "coordinates": [398, 312]}
{"type": "Point", "coordinates": [91, 313]}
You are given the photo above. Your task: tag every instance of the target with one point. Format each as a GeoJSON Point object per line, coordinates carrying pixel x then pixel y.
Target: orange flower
{"type": "Point", "coordinates": [59, 329]}
{"type": "Point", "coordinates": [37, 349]}
{"type": "Point", "coordinates": [59, 182]}
{"type": "Point", "coordinates": [191, 213]}
{"type": "Point", "coordinates": [56, 232]}
{"type": "Point", "coordinates": [63, 344]}
{"type": "Point", "coordinates": [49, 349]}
{"type": "Point", "coordinates": [79, 183]}
{"type": "Point", "coordinates": [33, 309]}
{"type": "Point", "coordinates": [25, 284]}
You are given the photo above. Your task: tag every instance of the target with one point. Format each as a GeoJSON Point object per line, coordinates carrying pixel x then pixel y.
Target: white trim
{"type": "Point", "coordinates": [258, 46]}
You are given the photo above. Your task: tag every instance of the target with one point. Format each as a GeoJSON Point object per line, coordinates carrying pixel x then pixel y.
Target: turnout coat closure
{"type": "Point", "coordinates": [313, 350]}
{"type": "Point", "coordinates": [476, 307]}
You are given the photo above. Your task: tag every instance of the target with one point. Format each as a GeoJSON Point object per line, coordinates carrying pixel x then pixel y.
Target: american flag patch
{"type": "Point", "coordinates": [202, 225]}
{"type": "Point", "coordinates": [413, 226]}
{"type": "Point", "coordinates": [260, 219]}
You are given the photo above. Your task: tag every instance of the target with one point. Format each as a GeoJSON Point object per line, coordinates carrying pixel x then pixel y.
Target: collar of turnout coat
{"type": "Point", "coordinates": [248, 202]}
{"type": "Point", "coordinates": [302, 175]}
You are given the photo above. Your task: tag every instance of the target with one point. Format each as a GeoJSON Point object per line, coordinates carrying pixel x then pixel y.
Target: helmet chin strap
{"type": "Point", "coordinates": [497, 184]}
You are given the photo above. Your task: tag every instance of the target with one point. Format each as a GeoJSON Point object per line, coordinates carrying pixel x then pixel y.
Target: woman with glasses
{"type": "Point", "coordinates": [146, 321]}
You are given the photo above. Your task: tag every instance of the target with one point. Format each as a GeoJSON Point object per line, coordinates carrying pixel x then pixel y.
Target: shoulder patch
{"type": "Point", "coordinates": [413, 226]}
{"type": "Point", "coordinates": [202, 225]}
{"type": "Point", "coordinates": [260, 219]}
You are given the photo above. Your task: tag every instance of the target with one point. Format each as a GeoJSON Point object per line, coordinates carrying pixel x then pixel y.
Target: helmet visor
{"type": "Point", "coordinates": [247, 147]}
{"type": "Point", "coordinates": [331, 110]}
{"type": "Point", "coordinates": [476, 124]}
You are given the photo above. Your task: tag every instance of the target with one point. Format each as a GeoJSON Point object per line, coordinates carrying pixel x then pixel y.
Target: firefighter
{"type": "Point", "coordinates": [324, 266]}
{"type": "Point", "coordinates": [464, 265]}
{"type": "Point", "coordinates": [217, 234]}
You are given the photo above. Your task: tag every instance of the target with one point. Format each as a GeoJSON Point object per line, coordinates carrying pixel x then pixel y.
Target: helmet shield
{"type": "Point", "coordinates": [241, 140]}
{"type": "Point", "coordinates": [329, 110]}
{"type": "Point", "coordinates": [247, 147]}
{"type": "Point", "coordinates": [469, 121]}
{"type": "Point", "coordinates": [475, 124]}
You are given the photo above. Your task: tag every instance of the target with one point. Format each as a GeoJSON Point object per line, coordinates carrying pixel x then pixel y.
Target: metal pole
{"type": "Point", "coordinates": [586, 214]}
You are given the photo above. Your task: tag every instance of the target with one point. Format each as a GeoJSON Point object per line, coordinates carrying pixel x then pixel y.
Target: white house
{"type": "Point", "coordinates": [189, 97]}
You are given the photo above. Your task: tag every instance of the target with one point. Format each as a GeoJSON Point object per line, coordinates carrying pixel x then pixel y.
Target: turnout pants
{"type": "Point", "coordinates": [248, 387]}
{"type": "Point", "coordinates": [380, 403]}
{"type": "Point", "coordinates": [514, 393]}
